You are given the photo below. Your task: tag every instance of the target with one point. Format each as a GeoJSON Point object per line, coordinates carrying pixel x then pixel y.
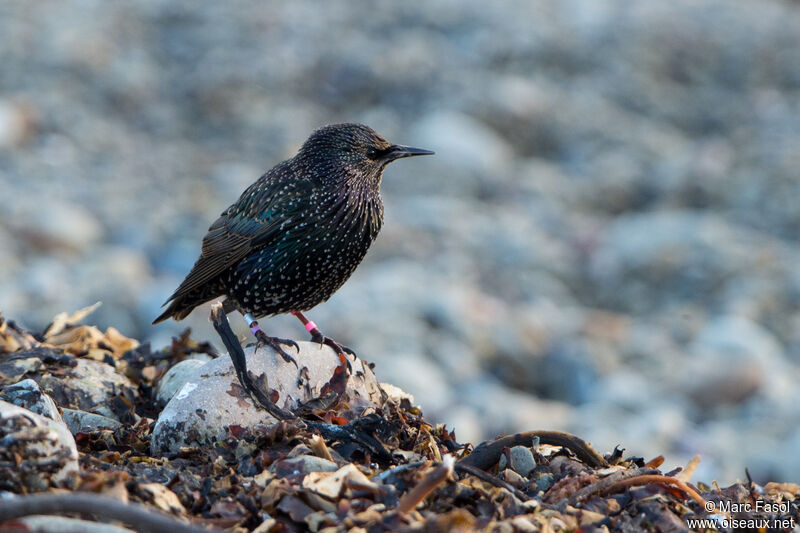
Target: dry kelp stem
{"type": "Point", "coordinates": [609, 481]}
{"type": "Point", "coordinates": [494, 480]}
{"type": "Point", "coordinates": [319, 447]}
{"type": "Point", "coordinates": [352, 432]}
{"type": "Point", "coordinates": [435, 478]}
{"type": "Point", "coordinates": [658, 478]}
{"type": "Point", "coordinates": [686, 474]}
{"type": "Point", "coordinates": [140, 517]}
{"type": "Point", "coordinates": [220, 323]}
{"type": "Point", "coordinates": [487, 454]}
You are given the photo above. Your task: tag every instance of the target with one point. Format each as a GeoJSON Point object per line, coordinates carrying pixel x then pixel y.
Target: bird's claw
{"type": "Point", "coordinates": [321, 339]}
{"type": "Point", "coordinates": [338, 348]}
{"type": "Point", "coordinates": [275, 344]}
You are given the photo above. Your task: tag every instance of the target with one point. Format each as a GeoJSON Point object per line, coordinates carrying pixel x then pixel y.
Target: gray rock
{"type": "Point", "coordinates": [78, 421]}
{"type": "Point", "coordinates": [89, 386]}
{"type": "Point", "coordinates": [27, 394]}
{"type": "Point", "coordinates": [462, 142]}
{"type": "Point", "coordinates": [16, 123]}
{"type": "Point", "coordinates": [18, 365]}
{"type": "Point", "coordinates": [427, 383]}
{"type": "Point", "coordinates": [175, 378]}
{"type": "Point", "coordinates": [739, 338]}
{"type": "Point", "coordinates": [649, 259]}
{"type": "Point", "coordinates": [734, 358]}
{"type": "Point", "coordinates": [503, 410]}
{"type": "Point", "coordinates": [66, 226]}
{"type": "Point", "coordinates": [655, 425]}
{"type": "Point", "coordinates": [47, 448]}
{"type": "Point", "coordinates": [566, 372]}
{"type": "Point", "coordinates": [521, 461]}
{"type": "Point", "coordinates": [212, 399]}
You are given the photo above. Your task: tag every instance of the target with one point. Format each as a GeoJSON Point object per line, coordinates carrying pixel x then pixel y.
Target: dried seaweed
{"type": "Point", "coordinates": [382, 468]}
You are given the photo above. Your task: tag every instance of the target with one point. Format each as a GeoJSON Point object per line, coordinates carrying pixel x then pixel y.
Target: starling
{"type": "Point", "coordinates": [296, 234]}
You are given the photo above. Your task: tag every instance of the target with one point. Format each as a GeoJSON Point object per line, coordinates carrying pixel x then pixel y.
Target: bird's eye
{"type": "Point", "coordinates": [377, 153]}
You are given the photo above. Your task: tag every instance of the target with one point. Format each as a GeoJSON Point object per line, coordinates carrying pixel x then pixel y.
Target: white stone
{"type": "Point", "coordinates": [175, 378]}
{"type": "Point", "coordinates": [211, 398]}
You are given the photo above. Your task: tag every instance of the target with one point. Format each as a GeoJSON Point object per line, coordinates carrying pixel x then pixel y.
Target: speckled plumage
{"type": "Point", "coordinates": [298, 233]}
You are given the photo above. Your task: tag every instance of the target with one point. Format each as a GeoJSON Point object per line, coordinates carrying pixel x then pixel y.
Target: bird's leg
{"type": "Point", "coordinates": [317, 336]}
{"type": "Point", "coordinates": [272, 342]}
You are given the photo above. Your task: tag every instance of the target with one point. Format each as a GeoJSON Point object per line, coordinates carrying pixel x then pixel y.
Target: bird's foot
{"type": "Point", "coordinates": [327, 341]}
{"type": "Point", "coordinates": [338, 348]}
{"type": "Point", "coordinates": [317, 336]}
{"type": "Point", "coordinates": [275, 344]}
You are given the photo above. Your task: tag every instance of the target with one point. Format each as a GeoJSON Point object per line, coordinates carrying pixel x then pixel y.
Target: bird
{"type": "Point", "coordinates": [296, 234]}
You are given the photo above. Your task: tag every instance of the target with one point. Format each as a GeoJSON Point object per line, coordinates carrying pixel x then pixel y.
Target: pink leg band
{"type": "Point", "coordinates": [310, 326]}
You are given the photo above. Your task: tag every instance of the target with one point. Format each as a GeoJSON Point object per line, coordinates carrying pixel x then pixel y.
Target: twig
{"type": "Point", "coordinates": [657, 478]}
{"type": "Point", "coordinates": [609, 481]}
{"type": "Point", "coordinates": [494, 480]}
{"type": "Point", "coordinates": [435, 478]}
{"type": "Point", "coordinates": [487, 454]}
{"type": "Point", "coordinates": [140, 517]}
{"type": "Point", "coordinates": [220, 323]}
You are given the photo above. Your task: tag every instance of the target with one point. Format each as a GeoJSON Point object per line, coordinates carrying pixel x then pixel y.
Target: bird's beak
{"type": "Point", "coordinates": [397, 151]}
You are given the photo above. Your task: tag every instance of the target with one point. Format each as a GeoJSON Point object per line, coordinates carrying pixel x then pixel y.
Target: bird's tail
{"type": "Point", "coordinates": [178, 309]}
{"type": "Point", "coordinates": [184, 303]}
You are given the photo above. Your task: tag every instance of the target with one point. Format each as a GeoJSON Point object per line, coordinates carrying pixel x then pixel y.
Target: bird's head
{"type": "Point", "coordinates": [355, 150]}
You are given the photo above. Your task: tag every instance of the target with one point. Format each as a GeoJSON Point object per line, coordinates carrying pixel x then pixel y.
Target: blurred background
{"type": "Point", "coordinates": [606, 241]}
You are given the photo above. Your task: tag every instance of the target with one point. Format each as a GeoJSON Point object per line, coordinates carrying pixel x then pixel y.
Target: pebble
{"type": "Point", "coordinates": [521, 461]}
{"type": "Point", "coordinates": [304, 464]}
{"type": "Point", "coordinates": [43, 450]}
{"type": "Point", "coordinates": [81, 421]}
{"type": "Point", "coordinates": [27, 394]}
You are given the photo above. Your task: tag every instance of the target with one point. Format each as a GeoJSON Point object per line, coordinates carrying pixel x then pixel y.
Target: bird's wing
{"type": "Point", "coordinates": [253, 221]}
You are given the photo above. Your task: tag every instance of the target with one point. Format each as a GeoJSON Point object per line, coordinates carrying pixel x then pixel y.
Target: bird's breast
{"type": "Point", "coordinates": [311, 258]}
